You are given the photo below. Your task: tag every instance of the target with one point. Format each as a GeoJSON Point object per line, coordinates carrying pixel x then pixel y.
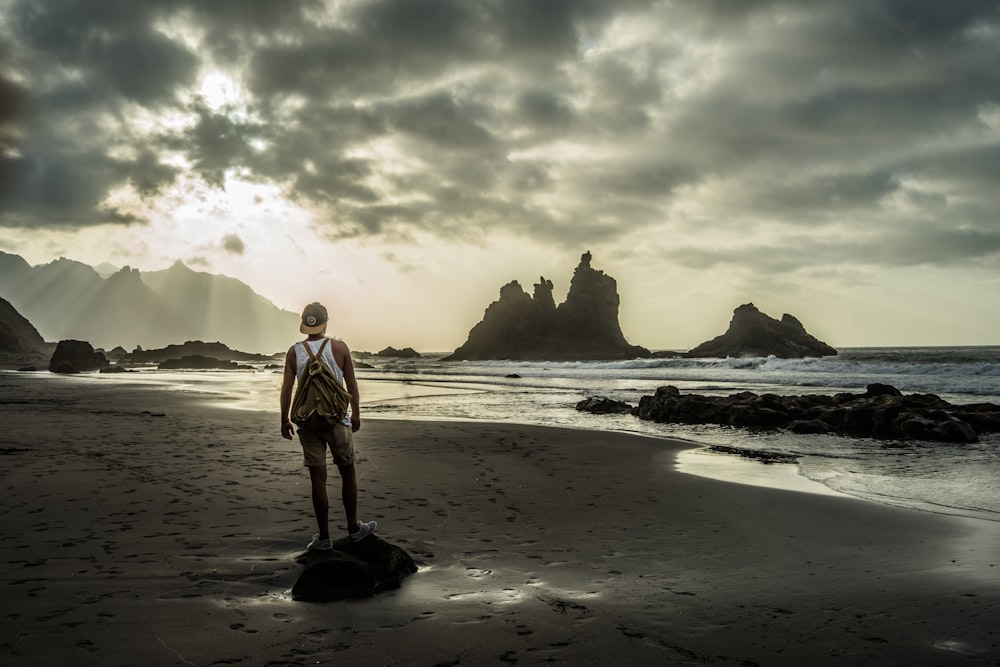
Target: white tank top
{"type": "Point", "coordinates": [302, 360]}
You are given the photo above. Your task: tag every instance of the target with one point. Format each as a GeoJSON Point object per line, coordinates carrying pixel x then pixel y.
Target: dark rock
{"type": "Point", "coordinates": [751, 333]}
{"type": "Point", "coordinates": [116, 369]}
{"type": "Point", "coordinates": [513, 376]}
{"type": "Point", "coordinates": [76, 356]}
{"type": "Point", "coordinates": [882, 412]}
{"type": "Point", "coordinates": [878, 389]}
{"type": "Point", "coordinates": [199, 362]}
{"type": "Point", "coordinates": [352, 570]}
{"type": "Point", "coordinates": [405, 353]}
{"type": "Point", "coordinates": [522, 327]}
{"type": "Point", "coordinates": [28, 369]}
{"type": "Point", "coordinates": [189, 349]}
{"type": "Point", "coordinates": [602, 405]}
{"type": "Point", "coordinates": [17, 335]}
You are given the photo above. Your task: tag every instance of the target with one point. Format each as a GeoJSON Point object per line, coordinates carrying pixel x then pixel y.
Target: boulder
{"type": "Point", "coordinates": [522, 327]}
{"type": "Point", "coordinates": [352, 570]}
{"type": "Point", "coordinates": [881, 412]}
{"type": "Point", "coordinates": [76, 356]}
{"type": "Point", "coordinates": [603, 405]}
{"type": "Point", "coordinates": [751, 333]}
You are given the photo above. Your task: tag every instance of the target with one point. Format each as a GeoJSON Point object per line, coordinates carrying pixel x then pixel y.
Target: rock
{"type": "Point", "coordinates": [76, 356]}
{"type": "Point", "coordinates": [882, 412]}
{"type": "Point", "coordinates": [17, 335]}
{"type": "Point", "coordinates": [352, 570]}
{"type": "Point", "coordinates": [116, 369]}
{"type": "Point", "coordinates": [603, 405]}
{"type": "Point", "coordinates": [522, 327]}
{"type": "Point", "coordinates": [188, 349]}
{"type": "Point", "coordinates": [751, 333]}
{"type": "Point", "coordinates": [405, 353]}
{"type": "Point", "coordinates": [199, 362]}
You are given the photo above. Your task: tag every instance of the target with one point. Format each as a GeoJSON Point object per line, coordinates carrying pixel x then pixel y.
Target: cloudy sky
{"type": "Point", "coordinates": [402, 159]}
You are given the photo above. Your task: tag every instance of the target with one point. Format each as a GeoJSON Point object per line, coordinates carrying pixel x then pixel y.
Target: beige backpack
{"type": "Point", "coordinates": [320, 401]}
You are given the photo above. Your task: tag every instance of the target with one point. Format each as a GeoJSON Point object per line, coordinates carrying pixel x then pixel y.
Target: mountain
{"type": "Point", "coordinates": [522, 327]}
{"type": "Point", "coordinates": [66, 299]}
{"type": "Point", "coordinates": [17, 335]}
{"type": "Point", "coordinates": [224, 309]}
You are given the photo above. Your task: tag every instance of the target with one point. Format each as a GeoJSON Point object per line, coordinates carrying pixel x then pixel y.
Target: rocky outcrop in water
{"type": "Point", "coordinates": [18, 338]}
{"type": "Point", "coordinates": [76, 356]}
{"type": "Point", "coordinates": [405, 353]}
{"type": "Point", "coordinates": [751, 333]}
{"type": "Point", "coordinates": [881, 412]}
{"type": "Point", "coordinates": [199, 362]}
{"type": "Point", "coordinates": [522, 327]}
{"type": "Point", "coordinates": [192, 348]}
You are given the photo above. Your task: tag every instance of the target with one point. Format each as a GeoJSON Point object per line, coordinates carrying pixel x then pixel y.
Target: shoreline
{"type": "Point", "coordinates": [144, 526]}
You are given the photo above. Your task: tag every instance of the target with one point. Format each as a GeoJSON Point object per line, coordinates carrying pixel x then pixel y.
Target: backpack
{"type": "Point", "coordinates": [320, 401]}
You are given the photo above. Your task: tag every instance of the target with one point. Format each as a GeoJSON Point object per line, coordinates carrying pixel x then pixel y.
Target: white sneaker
{"type": "Point", "coordinates": [365, 528]}
{"type": "Point", "coordinates": [320, 545]}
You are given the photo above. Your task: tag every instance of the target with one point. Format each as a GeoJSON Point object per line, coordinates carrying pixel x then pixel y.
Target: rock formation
{"type": "Point", "coordinates": [76, 356]}
{"type": "Point", "coordinates": [190, 348]}
{"type": "Point", "coordinates": [352, 570]}
{"type": "Point", "coordinates": [751, 333]}
{"type": "Point", "coordinates": [200, 362]}
{"type": "Point", "coordinates": [405, 353]}
{"type": "Point", "coordinates": [881, 412]}
{"type": "Point", "coordinates": [17, 335]}
{"type": "Point", "coordinates": [522, 327]}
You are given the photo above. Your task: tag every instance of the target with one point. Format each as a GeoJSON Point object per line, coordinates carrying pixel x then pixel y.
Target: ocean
{"type": "Point", "coordinates": [961, 479]}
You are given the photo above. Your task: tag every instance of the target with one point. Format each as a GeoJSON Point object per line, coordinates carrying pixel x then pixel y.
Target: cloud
{"type": "Point", "coordinates": [233, 244]}
{"type": "Point", "coordinates": [872, 127]}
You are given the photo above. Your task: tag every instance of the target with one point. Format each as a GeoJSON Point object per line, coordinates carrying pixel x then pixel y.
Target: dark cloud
{"type": "Point", "coordinates": [233, 244]}
{"type": "Point", "coordinates": [568, 121]}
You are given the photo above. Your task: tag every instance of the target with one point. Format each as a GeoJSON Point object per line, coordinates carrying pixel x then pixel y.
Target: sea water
{"type": "Point", "coordinates": [961, 479]}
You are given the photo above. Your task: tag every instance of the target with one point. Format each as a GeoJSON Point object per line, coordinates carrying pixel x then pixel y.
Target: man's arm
{"type": "Point", "coordinates": [350, 383]}
{"type": "Point", "coordinates": [287, 383]}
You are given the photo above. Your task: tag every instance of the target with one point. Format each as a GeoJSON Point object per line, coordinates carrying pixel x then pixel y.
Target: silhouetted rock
{"type": "Point", "coordinates": [188, 349]}
{"type": "Point", "coordinates": [881, 412]}
{"type": "Point", "coordinates": [603, 406]}
{"type": "Point", "coordinates": [76, 356]}
{"type": "Point", "coordinates": [751, 333]}
{"type": "Point", "coordinates": [17, 335]}
{"type": "Point", "coordinates": [522, 327]}
{"type": "Point", "coordinates": [352, 570]}
{"type": "Point", "coordinates": [405, 353]}
{"type": "Point", "coordinates": [199, 362]}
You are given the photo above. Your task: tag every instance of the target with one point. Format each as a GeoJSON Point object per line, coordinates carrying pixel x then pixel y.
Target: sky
{"type": "Point", "coordinates": [401, 160]}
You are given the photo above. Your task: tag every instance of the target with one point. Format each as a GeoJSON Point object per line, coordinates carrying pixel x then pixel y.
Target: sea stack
{"type": "Point", "coordinates": [751, 333]}
{"type": "Point", "coordinates": [532, 328]}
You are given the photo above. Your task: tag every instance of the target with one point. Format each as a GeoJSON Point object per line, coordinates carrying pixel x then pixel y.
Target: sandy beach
{"type": "Point", "coordinates": [143, 526]}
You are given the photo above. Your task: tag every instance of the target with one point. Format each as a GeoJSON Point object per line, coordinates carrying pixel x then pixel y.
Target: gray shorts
{"type": "Point", "coordinates": [339, 439]}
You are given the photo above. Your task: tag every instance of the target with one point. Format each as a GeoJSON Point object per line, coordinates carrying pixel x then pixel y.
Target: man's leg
{"type": "Point", "coordinates": [321, 503]}
{"type": "Point", "coordinates": [349, 494]}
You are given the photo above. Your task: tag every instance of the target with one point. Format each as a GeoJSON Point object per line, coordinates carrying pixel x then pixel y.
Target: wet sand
{"type": "Point", "coordinates": [143, 526]}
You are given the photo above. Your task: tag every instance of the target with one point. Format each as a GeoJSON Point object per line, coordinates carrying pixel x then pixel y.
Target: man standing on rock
{"type": "Point", "coordinates": [339, 438]}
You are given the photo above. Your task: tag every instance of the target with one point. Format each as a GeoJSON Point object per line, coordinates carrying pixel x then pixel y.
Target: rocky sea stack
{"type": "Point", "coordinates": [532, 328]}
{"type": "Point", "coordinates": [751, 333]}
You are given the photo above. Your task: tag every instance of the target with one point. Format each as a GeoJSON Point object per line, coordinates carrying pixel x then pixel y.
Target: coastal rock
{"type": "Point", "coordinates": [602, 405]}
{"type": "Point", "coordinates": [751, 333]}
{"type": "Point", "coordinates": [76, 356]}
{"type": "Point", "coordinates": [352, 570]}
{"type": "Point", "coordinates": [199, 362]}
{"type": "Point", "coordinates": [405, 353]}
{"type": "Point", "coordinates": [881, 412]}
{"type": "Point", "coordinates": [190, 348]}
{"type": "Point", "coordinates": [522, 327]}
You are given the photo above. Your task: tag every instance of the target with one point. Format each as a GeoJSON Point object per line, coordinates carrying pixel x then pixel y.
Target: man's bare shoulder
{"type": "Point", "coordinates": [338, 345]}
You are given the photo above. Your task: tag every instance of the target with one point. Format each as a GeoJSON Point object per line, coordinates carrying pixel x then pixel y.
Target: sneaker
{"type": "Point", "coordinates": [320, 545]}
{"type": "Point", "coordinates": [365, 529]}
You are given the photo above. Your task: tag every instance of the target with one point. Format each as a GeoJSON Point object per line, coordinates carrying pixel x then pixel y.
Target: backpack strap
{"type": "Point", "coordinates": [319, 352]}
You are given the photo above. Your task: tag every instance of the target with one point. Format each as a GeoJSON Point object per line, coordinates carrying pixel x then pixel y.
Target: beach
{"type": "Point", "coordinates": [148, 526]}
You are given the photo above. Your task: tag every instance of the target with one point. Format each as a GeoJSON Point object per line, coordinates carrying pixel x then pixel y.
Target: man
{"type": "Point", "coordinates": [338, 438]}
